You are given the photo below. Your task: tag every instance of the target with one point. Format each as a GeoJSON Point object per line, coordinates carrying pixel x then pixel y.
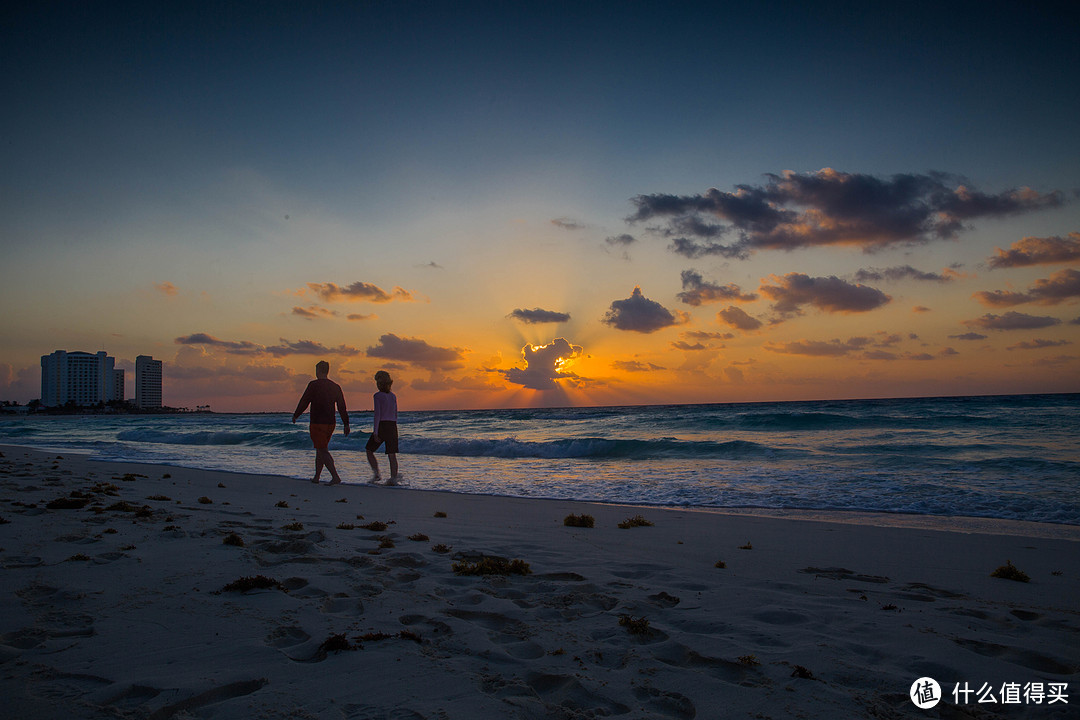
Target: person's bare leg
{"type": "Point", "coordinates": [318, 466]}
{"type": "Point", "coordinates": [328, 460]}
{"type": "Point", "coordinates": [374, 465]}
{"type": "Point", "coordinates": [392, 457]}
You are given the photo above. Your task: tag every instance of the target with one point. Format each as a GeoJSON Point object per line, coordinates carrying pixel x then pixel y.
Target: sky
{"type": "Point", "coordinates": [544, 204]}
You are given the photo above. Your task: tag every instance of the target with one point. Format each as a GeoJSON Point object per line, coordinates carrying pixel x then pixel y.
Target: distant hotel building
{"type": "Point", "coordinates": [80, 378]}
{"type": "Point", "coordinates": [147, 382]}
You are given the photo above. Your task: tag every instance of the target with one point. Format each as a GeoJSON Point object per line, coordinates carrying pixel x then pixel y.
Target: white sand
{"type": "Point", "coordinates": [137, 628]}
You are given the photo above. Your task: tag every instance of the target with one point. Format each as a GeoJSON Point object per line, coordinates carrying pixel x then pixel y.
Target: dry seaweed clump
{"type": "Point", "coordinates": [583, 521]}
{"type": "Point", "coordinates": [749, 660]}
{"type": "Point", "coordinates": [233, 539]}
{"type": "Point", "coordinates": [635, 626]}
{"type": "Point", "coordinates": [636, 521]}
{"type": "Point", "coordinates": [205, 500]}
{"type": "Point", "coordinates": [419, 537]}
{"type": "Point", "coordinates": [295, 526]}
{"type": "Point", "coordinates": [441, 548]}
{"type": "Point", "coordinates": [375, 526]}
{"type": "Point", "coordinates": [68, 503]}
{"type": "Point", "coordinates": [1008, 571]}
{"type": "Point", "coordinates": [491, 565]}
{"type": "Point", "coordinates": [257, 582]}
{"type": "Point", "coordinates": [439, 514]}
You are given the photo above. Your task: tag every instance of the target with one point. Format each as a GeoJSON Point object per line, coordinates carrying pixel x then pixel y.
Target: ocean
{"type": "Point", "coordinates": [1014, 457]}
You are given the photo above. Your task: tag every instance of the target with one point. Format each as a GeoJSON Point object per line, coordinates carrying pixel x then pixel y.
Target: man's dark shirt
{"type": "Point", "coordinates": [323, 394]}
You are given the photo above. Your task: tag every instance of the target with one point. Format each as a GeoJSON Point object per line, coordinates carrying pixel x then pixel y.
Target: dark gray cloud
{"type": "Point", "coordinates": [358, 292]}
{"type": "Point", "coordinates": [623, 240]}
{"type": "Point", "coordinates": [544, 365]}
{"type": "Point", "coordinates": [1038, 344]}
{"type": "Point", "coordinates": [830, 294]}
{"type": "Point", "coordinates": [816, 348]}
{"type": "Point", "coordinates": [313, 312]}
{"type": "Point", "coordinates": [1059, 287]}
{"type": "Point", "coordinates": [968, 336]}
{"type": "Point", "coordinates": [637, 313]}
{"type": "Point", "coordinates": [1038, 251]}
{"type": "Point", "coordinates": [1011, 321]}
{"type": "Point", "coordinates": [828, 207]}
{"type": "Point", "coordinates": [706, 335]}
{"type": "Point", "coordinates": [697, 291]}
{"type": "Point", "coordinates": [416, 352]}
{"type": "Point", "coordinates": [568, 224]}
{"type": "Point", "coordinates": [901, 272]}
{"type": "Point", "coordinates": [880, 347]}
{"type": "Point", "coordinates": [242, 347]}
{"type": "Point", "coordinates": [285, 347]}
{"type": "Point", "coordinates": [737, 318]}
{"type": "Point", "coordinates": [689, 347]}
{"type": "Point", "coordinates": [308, 347]}
{"type": "Point", "coordinates": [537, 316]}
{"type": "Point", "coordinates": [635, 366]}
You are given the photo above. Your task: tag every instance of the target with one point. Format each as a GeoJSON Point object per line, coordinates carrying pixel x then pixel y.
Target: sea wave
{"type": "Point", "coordinates": [254, 438]}
{"type": "Point", "coordinates": [590, 447]}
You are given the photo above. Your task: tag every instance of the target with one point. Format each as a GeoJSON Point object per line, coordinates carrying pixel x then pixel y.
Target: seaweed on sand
{"type": "Point", "coordinates": [1008, 571]}
{"type": "Point", "coordinates": [635, 626]}
{"type": "Point", "coordinates": [582, 521]}
{"type": "Point", "coordinates": [257, 582]}
{"type": "Point", "coordinates": [492, 565]}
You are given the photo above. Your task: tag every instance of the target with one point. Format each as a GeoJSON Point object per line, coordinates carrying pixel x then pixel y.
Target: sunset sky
{"type": "Point", "coordinates": [516, 204]}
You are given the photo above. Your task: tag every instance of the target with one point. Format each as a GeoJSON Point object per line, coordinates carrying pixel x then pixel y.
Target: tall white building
{"type": "Point", "coordinates": [81, 378]}
{"type": "Point", "coordinates": [147, 382]}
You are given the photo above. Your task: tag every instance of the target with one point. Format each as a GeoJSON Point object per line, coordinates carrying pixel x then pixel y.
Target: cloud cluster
{"type": "Point", "coordinates": [1038, 251]}
{"type": "Point", "coordinates": [537, 316]}
{"type": "Point", "coordinates": [566, 223]}
{"type": "Point", "coordinates": [881, 347]}
{"type": "Point", "coordinates": [1011, 321]}
{"type": "Point", "coordinates": [285, 347]}
{"type": "Point", "coordinates": [545, 365]}
{"type": "Point", "coordinates": [635, 366]}
{"type": "Point", "coordinates": [638, 313]}
{"type": "Point", "coordinates": [904, 272]}
{"type": "Point", "coordinates": [416, 352]}
{"type": "Point", "coordinates": [167, 288]}
{"type": "Point", "coordinates": [313, 312]}
{"type": "Point", "coordinates": [739, 319]}
{"type": "Point", "coordinates": [828, 207]}
{"type": "Point", "coordinates": [830, 294]}
{"type": "Point", "coordinates": [359, 292]}
{"type": "Point", "coordinates": [1038, 344]}
{"type": "Point", "coordinates": [1059, 287]}
{"type": "Point", "coordinates": [697, 291]}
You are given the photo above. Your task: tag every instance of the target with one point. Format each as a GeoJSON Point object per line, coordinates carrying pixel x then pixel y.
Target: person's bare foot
{"type": "Point", "coordinates": [335, 481]}
{"type": "Point", "coordinates": [315, 480]}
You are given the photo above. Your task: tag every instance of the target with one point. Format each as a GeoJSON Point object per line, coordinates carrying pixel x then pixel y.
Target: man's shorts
{"type": "Point", "coordinates": [320, 434]}
{"type": "Point", "coordinates": [388, 435]}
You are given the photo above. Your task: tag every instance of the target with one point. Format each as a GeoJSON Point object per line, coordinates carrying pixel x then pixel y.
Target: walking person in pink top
{"type": "Point", "coordinates": [324, 395]}
{"type": "Point", "coordinates": [385, 428]}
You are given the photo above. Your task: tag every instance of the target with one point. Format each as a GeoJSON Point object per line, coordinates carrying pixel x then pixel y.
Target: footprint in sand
{"type": "Point", "coordinates": [565, 694]}
{"type": "Point", "coordinates": [503, 629]}
{"type": "Point", "coordinates": [287, 636]}
{"type": "Point", "coordinates": [666, 703]}
{"type": "Point", "coordinates": [1018, 656]}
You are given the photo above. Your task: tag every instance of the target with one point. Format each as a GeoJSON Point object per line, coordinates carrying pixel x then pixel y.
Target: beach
{"type": "Point", "coordinates": [184, 593]}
